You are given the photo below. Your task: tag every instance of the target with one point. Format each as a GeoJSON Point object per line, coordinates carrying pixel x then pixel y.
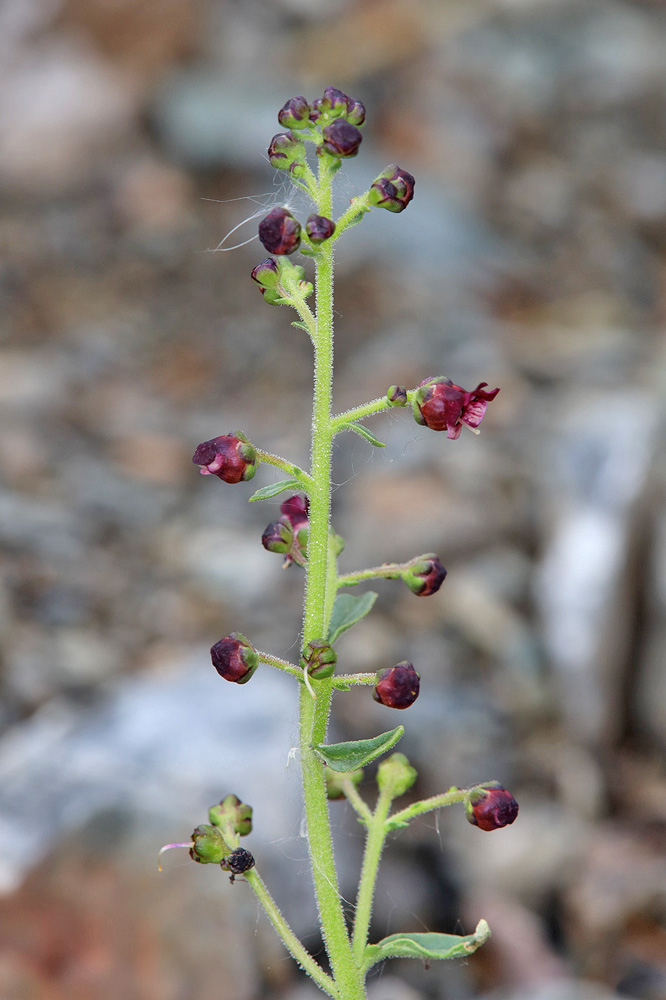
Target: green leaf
{"type": "Point", "coordinates": [347, 610]}
{"type": "Point", "coordinates": [300, 325]}
{"type": "Point", "coordinates": [357, 753]}
{"type": "Point", "coordinates": [364, 433]}
{"type": "Point", "coordinates": [266, 492]}
{"type": "Point", "coordinates": [426, 946]}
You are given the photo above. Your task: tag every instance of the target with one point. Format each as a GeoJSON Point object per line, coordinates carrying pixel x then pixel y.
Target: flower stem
{"type": "Point", "coordinates": [293, 945]}
{"type": "Point", "coordinates": [427, 805]}
{"type": "Point", "coordinates": [345, 681]}
{"type": "Point", "coordinates": [389, 571]}
{"type": "Point", "coordinates": [366, 888]}
{"type": "Point", "coordinates": [281, 463]}
{"type": "Point", "coordinates": [276, 661]}
{"type": "Point", "coordinates": [319, 581]}
{"type": "Point", "coordinates": [359, 412]}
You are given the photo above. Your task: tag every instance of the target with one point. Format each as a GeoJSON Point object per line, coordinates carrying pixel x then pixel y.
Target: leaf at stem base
{"type": "Point", "coordinates": [426, 946]}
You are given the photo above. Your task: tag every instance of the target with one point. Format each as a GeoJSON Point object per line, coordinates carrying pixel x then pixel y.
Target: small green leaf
{"type": "Point", "coordinates": [266, 492]}
{"type": "Point", "coordinates": [426, 946]}
{"type": "Point", "coordinates": [301, 326]}
{"type": "Point", "coordinates": [357, 753]}
{"type": "Point", "coordinates": [364, 433]}
{"type": "Point", "coordinates": [347, 610]}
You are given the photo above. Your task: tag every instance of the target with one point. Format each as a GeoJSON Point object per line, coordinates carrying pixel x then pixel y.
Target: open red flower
{"type": "Point", "coordinates": [442, 405]}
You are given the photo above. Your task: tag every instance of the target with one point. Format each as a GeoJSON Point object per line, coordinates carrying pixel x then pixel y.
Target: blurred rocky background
{"type": "Point", "coordinates": [132, 140]}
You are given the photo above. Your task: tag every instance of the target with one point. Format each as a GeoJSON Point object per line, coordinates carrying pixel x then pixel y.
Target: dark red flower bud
{"type": "Point", "coordinates": [397, 395]}
{"type": "Point", "coordinates": [208, 846]}
{"type": "Point", "coordinates": [341, 139]}
{"type": "Point", "coordinates": [234, 658]}
{"type": "Point", "coordinates": [319, 659]}
{"type": "Point", "coordinates": [294, 113]}
{"type": "Point", "coordinates": [442, 405]}
{"type": "Point", "coordinates": [398, 686]}
{"type": "Point", "coordinates": [319, 228]}
{"type": "Point", "coordinates": [424, 575]}
{"type": "Point", "coordinates": [355, 113]}
{"type": "Point", "coordinates": [280, 232]}
{"type": "Point", "coordinates": [289, 534]}
{"type": "Point", "coordinates": [490, 807]}
{"type": "Point", "coordinates": [393, 189]}
{"type": "Point", "coordinates": [297, 510]}
{"type": "Point", "coordinates": [230, 457]}
{"type": "Point", "coordinates": [237, 862]}
{"type": "Point", "coordinates": [266, 273]}
{"type": "Point", "coordinates": [278, 536]}
{"type": "Point", "coordinates": [286, 152]}
{"type": "Point", "coordinates": [334, 100]}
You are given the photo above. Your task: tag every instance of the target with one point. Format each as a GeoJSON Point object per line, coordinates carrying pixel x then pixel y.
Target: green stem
{"type": "Point", "coordinates": [355, 800]}
{"type": "Point", "coordinates": [358, 208]}
{"type": "Point", "coordinates": [281, 463]}
{"type": "Point", "coordinates": [314, 713]}
{"type": "Point", "coordinates": [427, 805]}
{"type": "Point", "coordinates": [359, 412]}
{"type": "Point", "coordinates": [389, 571]}
{"type": "Point", "coordinates": [276, 661]}
{"type": "Point", "coordinates": [293, 945]}
{"type": "Point", "coordinates": [290, 286]}
{"type": "Point", "coordinates": [366, 888]}
{"type": "Point", "coordinates": [344, 681]}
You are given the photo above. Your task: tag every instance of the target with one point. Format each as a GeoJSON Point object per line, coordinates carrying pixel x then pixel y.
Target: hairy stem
{"type": "Point", "coordinates": [389, 571]}
{"type": "Point", "coordinates": [293, 945]}
{"type": "Point", "coordinates": [366, 888]}
{"type": "Point", "coordinates": [359, 412]}
{"type": "Point", "coordinates": [449, 798]}
{"type": "Point", "coordinates": [319, 581]}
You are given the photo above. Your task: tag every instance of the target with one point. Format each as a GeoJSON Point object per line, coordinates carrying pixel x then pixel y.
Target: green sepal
{"type": "Point", "coordinates": [426, 946]}
{"type": "Point", "coordinates": [347, 610]}
{"type": "Point", "coordinates": [307, 252]}
{"type": "Point", "coordinates": [266, 492]}
{"type": "Point", "coordinates": [357, 753]}
{"type": "Point", "coordinates": [364, 433]}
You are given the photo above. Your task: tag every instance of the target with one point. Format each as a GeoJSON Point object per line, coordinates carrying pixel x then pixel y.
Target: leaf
{"type": "Point", "coordinates": [357, 753]}
{"type": "Point", "coordinates": [266, 492]}
{"type": "Point", "coordinates": [426, 946]}
{"type": "Point", "coordinates": [364, 433]}
{"type": "Point", "coordinates": [347, 610]}
{"type": "Point", "coordinates": [301, 326]}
